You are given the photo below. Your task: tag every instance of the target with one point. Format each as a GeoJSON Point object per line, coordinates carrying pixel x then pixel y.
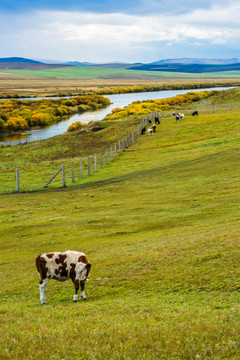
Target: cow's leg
{"type": "Point", "coordinates": [76, 287]}
{"type": "Point", "coordinates": [83, 296]}
{"type": "Point", "coordinates": [42, 286]}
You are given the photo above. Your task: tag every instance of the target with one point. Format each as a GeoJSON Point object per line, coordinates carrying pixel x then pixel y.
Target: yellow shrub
{"type": "Point", "coordinates": [16, 123]}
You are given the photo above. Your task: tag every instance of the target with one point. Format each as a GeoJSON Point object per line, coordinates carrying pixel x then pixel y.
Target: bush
{"type": "Point", "coordinates": [42, 119]}
{"type": "Point", "coordinates": [16, 123]}
{"type": "Point", "coordinates": [2, 124]}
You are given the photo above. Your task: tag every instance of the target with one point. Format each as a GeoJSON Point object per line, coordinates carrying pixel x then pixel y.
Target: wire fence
{"type": "Point", "coordinates": [69, 172]}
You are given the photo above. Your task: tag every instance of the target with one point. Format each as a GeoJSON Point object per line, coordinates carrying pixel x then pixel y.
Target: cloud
{"type": "Point", "coordinates": [64, 34]}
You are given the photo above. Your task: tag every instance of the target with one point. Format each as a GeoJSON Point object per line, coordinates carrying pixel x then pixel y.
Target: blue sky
{"type": "Point", "coordinates": [129, 31]}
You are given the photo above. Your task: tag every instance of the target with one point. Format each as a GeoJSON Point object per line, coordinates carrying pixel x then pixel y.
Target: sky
{"type": "Point", "coordinates": [119, 30]}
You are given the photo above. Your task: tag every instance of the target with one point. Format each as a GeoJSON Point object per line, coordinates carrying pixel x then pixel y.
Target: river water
{"type": "Point", "coordinates": [118, 100]}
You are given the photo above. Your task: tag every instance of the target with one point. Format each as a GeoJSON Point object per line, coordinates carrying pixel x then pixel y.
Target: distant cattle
{"type": "Point", "coordinates": [157, 121]}
{"type": "Point", "coordinates": [154, 128]}
{"type": "Point", "coordinates": [195, 113]}
{"type": "Point", "coordinates": [178, 116]}
{"type": "Point", "coordinates": [150, 132]}
{"type": "Point", "coordinates": [143, 130]}
{"type": "Point", "coordinates": [62, 266]}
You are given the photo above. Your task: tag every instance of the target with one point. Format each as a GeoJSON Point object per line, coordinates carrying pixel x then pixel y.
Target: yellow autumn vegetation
{"type": "Point", "coordinates": [17, 115]}
{"type": "Point", "coordinates": [144, 107]}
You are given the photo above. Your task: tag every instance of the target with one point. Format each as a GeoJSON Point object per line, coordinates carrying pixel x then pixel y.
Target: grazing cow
{"type": "Point", "coordinates": [150, 132]}
{"type": "Point", "coordinates": [195, 113]}
{"type": "Point", "coordinates": [143, 130]}
{"type": "Point", "coordinates": [177, 118]}
{"type": "Point", "coordinates": [62, 266]}
{"type": "Point", "coordinates": [154, 128]}
{"type": "Point", "coordinates": [157, 121]}
{"type": "Point", "coordinates": [149, 122]}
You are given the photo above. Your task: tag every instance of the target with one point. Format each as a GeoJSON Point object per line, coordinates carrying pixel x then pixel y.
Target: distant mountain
{"type": "Point", "coordinates": [75, 63]}
{"type": "Point", "coordinates": [201, 61]}
{"type": "Point", "coordinates": [187, 68]}
{"type": "Point", "coordinates": [19, 60]}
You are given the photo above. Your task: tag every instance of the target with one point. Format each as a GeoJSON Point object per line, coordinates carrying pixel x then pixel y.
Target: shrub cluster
{"type": "Point", "coordinates": [19, 114]}
{"type": "Point", "coordinates": [144, 107]}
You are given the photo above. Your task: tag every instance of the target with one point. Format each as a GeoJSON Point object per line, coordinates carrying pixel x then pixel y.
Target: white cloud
{"type": "Point", "coordinates": [66, 33]}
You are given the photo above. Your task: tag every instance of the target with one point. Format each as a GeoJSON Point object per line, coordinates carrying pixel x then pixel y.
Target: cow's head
{"type": "Point", "coordinates": [85, 272]}
{"type": "Point", "coordinates": [85, 268]}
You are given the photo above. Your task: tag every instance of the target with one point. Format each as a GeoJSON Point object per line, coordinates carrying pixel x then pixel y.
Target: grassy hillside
{"type": "Point", "coordinates": [160, 226]}
{"type": "Point", "coordinates": [105, 73]}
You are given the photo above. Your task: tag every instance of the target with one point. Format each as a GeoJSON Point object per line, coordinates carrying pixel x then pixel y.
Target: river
{"type": "Point", "coordinates": [118, 100]}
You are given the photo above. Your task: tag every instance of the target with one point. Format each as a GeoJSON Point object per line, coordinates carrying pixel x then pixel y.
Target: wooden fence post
{"type": "Point", "coordinates": [101, 164]}
{"type": "Point", "coordinates": [73, 180]}
{"type": "Point", "coordinates": [119, 146]}
{"type": "Point", "coordinates": [107, 156]}
{"type": "Point", "coordinates": [81, 168]}
{"type": "Point", "coordinates": [95, 162]}
{"type": "Point", "coordinates": [115, 149]}
{"type": "Point", "coordinates": [63, 176]}
{"type": "Point", "coordinates": [89, 166]}
{"type": "Point", "coordinates": [123, 144]}
{"type": "Point", "coordinates": [111, 154]}
{"type": "Point", "coordinates": [17, 180]}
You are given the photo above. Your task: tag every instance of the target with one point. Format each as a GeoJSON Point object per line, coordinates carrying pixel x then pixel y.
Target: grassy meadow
{"type": "Point", "coordinates": [160, 226]}
{"type": "Point", "coordinates": [90, 71]}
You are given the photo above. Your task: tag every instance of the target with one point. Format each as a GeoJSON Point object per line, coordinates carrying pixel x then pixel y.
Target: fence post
{"type": "Point", "coordinates": [63, 176]}
{"type": "Point", "coordinates": [81, 169]}
{"type": "Point", "coordinates": [115, 149]}
{"type": "Point", "coordinates": [17, 180]}
{"type": "Point", "coordinates": [73, 172]}
{"type": "Point", "coordinates": [95, 162]}
{"type": "Point", "coordinates": [111, 154]}
{"type": "Point", "coordinates": [119, 146]}
{"type": "Point", "coordinates": [213, 108]}
{"type": "Point", "coordinates": [107, 156]}
{"type": "Point", "coordinates": [89, 166]}
{"type": "Point", "coordinates": [132, 137]}
{"type": "Point", "coordinates": [101, 165]}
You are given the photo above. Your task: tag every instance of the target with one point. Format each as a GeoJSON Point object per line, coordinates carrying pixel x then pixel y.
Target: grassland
{"type": "Point", "coordinates": [87, 72]}
{"type": "Point", "coordinates": [160, 226]}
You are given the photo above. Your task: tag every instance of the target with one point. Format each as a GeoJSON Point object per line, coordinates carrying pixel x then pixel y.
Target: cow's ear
{"type": "Point", "coordinates": [88, 266]}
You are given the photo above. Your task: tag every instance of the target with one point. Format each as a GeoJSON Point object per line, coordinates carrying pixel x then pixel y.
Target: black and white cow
{"type": "Point", "coordinates": [62, 266]}
{"type": "Point", "coordinates": [195, 113]}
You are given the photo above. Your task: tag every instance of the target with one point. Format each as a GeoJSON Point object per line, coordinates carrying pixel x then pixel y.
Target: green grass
{"type": "Point", "coordinates": [160, 226]}
{"type": "Point", "coordinates": [88, 72]}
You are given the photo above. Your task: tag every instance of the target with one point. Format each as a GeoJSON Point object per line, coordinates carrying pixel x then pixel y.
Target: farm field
{"type": "Point", "coordinates": [75, 79]}
{"type": "Point", "coordinates": [160, 226]}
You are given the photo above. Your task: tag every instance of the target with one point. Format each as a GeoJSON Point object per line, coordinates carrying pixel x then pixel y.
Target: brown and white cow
{"type": "Point", "coordinates": [62, 266]}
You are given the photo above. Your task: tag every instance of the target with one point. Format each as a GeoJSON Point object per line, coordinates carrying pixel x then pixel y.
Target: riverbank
{"type": "Point", "coordinates": [12, 85]}
{"type": "Point", "coordinates": [18, 115]}
{"type": "Point", "coordinates": [117, 101]}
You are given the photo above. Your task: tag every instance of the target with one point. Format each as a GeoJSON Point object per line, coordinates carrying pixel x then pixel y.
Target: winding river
{"type": "Point", "coordinates": [119, 100]}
